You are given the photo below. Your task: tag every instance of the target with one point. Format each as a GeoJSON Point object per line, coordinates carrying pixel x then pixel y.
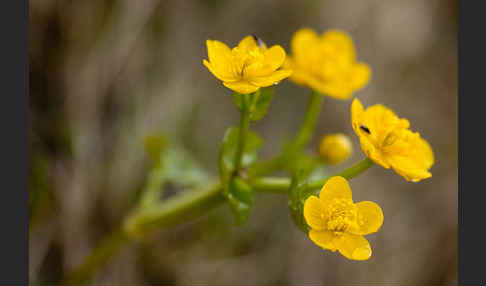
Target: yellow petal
{"type": "Point", "coordinates": [341, 44]}
{"type": "Point", "coordinates": [361, 74]}
{"type": "Point", "coordinates": [373, 153]}
{"type": "Point", "coordinates": [354, 247]}
{"type": "Point", "coordinates": [247, 43]}
{"type": "Point", "coordinates": [335, 188]}
{"type": "Point", "coordinates": [370, 217]}
{"type": "Point", "coordinates": [271, 79]}
{"type": "Point", "coordinates": [414, 162]}
{"type": "Point", "coordinates": [220, 58]}
{"type": "Point", "coordinates": [323, 238]}
{"type": "Point", "coordinates": [241, 87]}
{"type": "Point", "coordinates": [335, 89]}
{"type": "Point", "coordinates": [219, 74]}
{"type": "Point", "coordinates": [301, 42]}
{"type": "Point", "coordinates": [357, 110]}
{"type": "Point", "coordinates": [314, 213]}
{"type": "Point", "coordinates": [274, 57]}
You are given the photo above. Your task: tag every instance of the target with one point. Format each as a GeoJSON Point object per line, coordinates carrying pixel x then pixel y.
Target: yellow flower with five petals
{"type": "Point", "coordinates": [248, 66]}
{"type": "Point", "coordinates": [387, 140]}
{"type": "Point", "coordinates": [337, 223]}
{"type": "Point", "coordinates": [326, 63]}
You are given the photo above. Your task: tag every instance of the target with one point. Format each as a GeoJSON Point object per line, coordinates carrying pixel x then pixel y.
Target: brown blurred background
{"type": "Point", "coordinates": [105, 74]}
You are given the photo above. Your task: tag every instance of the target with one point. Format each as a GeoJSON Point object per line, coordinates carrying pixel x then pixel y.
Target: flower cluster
{"type": "Point", "coordinates": [326, 64]}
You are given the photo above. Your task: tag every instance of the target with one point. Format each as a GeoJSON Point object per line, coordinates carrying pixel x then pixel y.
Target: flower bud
{"type": "Point", "coordinates": [335, 148]}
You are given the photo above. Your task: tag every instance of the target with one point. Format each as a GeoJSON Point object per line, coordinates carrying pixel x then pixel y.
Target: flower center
{"type": "Point", "coordinates": [243, 58]}
{"type": "Point", "coordinates": [342, 214]}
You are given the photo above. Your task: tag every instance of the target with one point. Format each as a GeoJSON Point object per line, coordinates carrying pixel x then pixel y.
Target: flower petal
{"type": "Point", "coordinates": [314, 213]}
{"type": "Point", "coordinates": [361, 74]}
{"type": "Point", "coordinates": [219, 56]}
{"type": "Point", "coordinates": [354, 247]}
{"type": "Point", "coordinates": [414, 162]}
{"type": "Point", "coordinates": [241, 87]}
{"type": "Point", "coordinates": [336, 188]}
{"type": "Point", "coordinates": [274, 56]}
{"type": "Point", "coordinates": [301, 42]}
{"type": "Point", "coordinates": [370, 217]}
{"type": "Point", "coordinates": [219, 74]}
{"type": "Point", "coordinates": [247, 43]}
{"type": "Point", "coordinates": [323, 238]}
{"type": "Point", "coordinates": [271, 79]}
{"type": "Point", "coordinates": [357, 111]}
{"type": "Point", "coordinates": [340, 43]}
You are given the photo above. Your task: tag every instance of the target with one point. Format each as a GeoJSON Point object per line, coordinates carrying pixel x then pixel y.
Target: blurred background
{"type": "Point", "coordinates": [106, 74]}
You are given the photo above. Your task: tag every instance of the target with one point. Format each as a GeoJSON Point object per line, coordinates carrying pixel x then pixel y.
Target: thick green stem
{"type": "Point", "coordinates": [302, 138]}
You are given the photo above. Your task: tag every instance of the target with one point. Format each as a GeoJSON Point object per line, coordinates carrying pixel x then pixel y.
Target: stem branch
{"type": "Point", "coordinates": [302, 138]}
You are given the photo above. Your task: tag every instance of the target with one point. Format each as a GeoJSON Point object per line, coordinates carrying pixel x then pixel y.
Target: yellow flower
{"type": "Point", "coordinates": [335, 148]}
{"type": "Point", "coordinates": [388, 141]}
{"type": "Point", "coordinates": [337, 223]}
{"type": "Point", "coordinates": [248, 66]}
{"type": "Point", "coordinates": [326, 63]}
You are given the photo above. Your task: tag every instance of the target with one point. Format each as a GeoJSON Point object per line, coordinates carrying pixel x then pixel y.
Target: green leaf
{"type": "Point", "coordinates": [238, 99]}
{"type": "Point", "coordinates": [174, 164]}
{"type": "Point", "coordinates": [297, 197]}
{"type": "Point", "coordinates": [237, 191]}
{"type": "Point", "coordinates": [240, 199]}
{"type": "Point", "coordinates": [259, 101]}
{"type": "Point", "coordinates": [259, 109]}
{"type": "Point", "coordinates": [303, 169]}
{"type": "Point", "coordinates": [154, 145]}
{"type": "Point", "coordinates": [181, 168]}
{"type": "Point", "coordinates": [228, 149]}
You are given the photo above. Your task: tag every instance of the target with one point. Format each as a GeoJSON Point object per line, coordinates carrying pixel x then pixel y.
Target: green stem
{"type": "Point", "coordinates": [309, 124]}
{"type": "Point", "coordinates": [244, 126]}
{"type": "Point", "coordinates": [106, 249]}
{"type": "Point", "coordinates": [178, 209]}
{"type": "Point", "coordinates": [348, 173]}
{"type": "Point", "coordinates": [302, 138]}
{"type": "Point", "coordinates": [282, 185]}
{"type": "Point", "coordinates": [175, 210]}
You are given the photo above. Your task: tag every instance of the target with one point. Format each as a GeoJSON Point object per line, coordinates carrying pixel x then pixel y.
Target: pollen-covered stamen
{"type": "Point", "coordinates": [389, 139]}
{"type": "Point", "coordinates": [250, 57]}
{"type": "Point", "coordinates": [342, 215]}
